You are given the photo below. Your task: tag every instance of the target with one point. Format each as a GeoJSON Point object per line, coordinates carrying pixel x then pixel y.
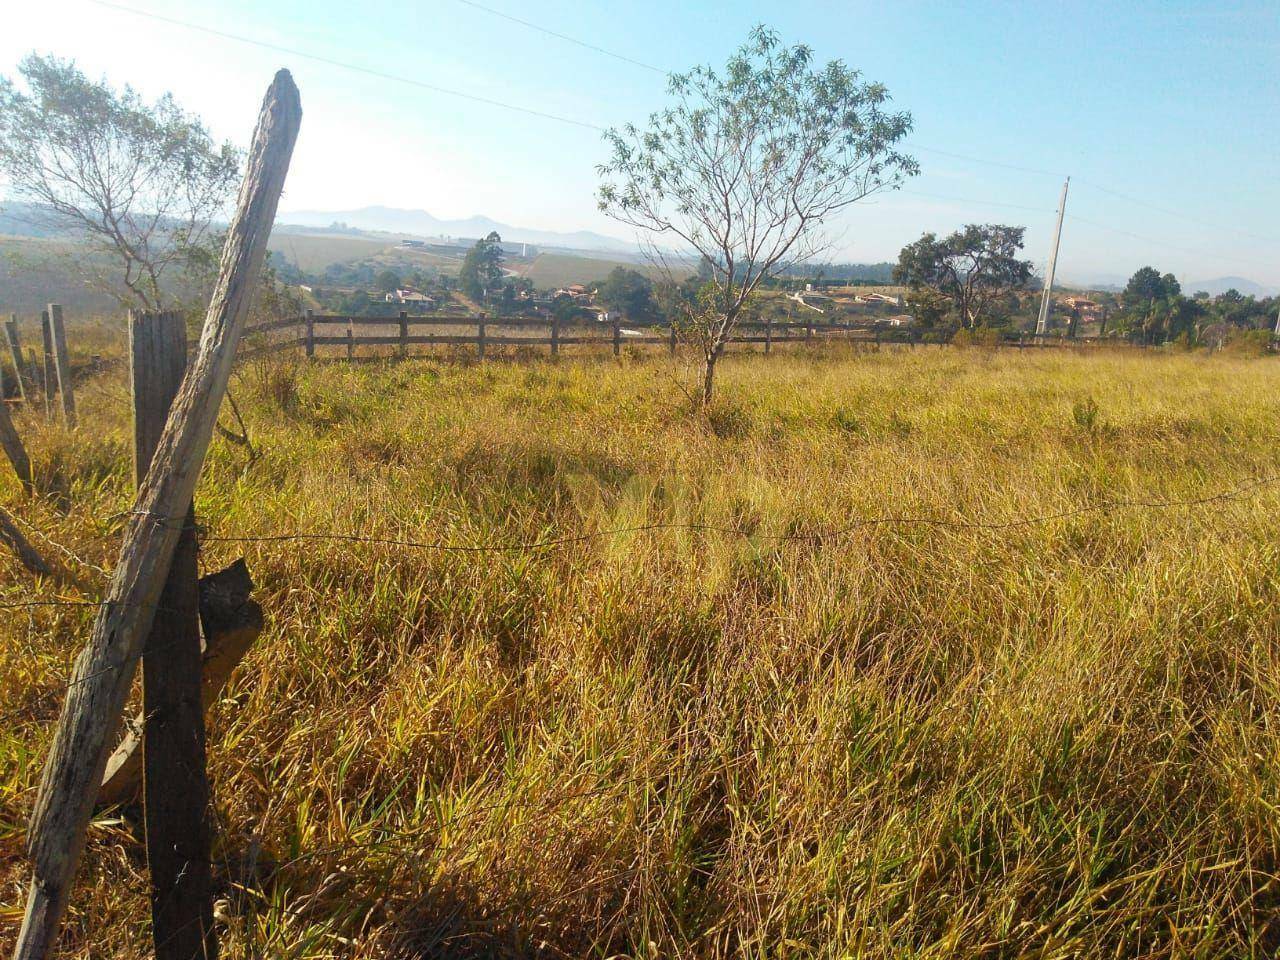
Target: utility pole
{"type": "Point", "coordinates": [1042, 324]}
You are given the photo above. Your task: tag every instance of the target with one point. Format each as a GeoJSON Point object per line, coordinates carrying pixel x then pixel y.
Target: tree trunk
{"type": "Point", "coordinates": [709, 373]}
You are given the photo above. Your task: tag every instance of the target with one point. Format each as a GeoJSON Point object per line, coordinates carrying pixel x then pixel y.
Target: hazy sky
{"type": "Point", "coordinates": [1168, 103]}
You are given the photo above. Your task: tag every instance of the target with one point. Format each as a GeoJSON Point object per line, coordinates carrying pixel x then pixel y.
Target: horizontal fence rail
{"type": "Point", "coordinates": [316, 330]}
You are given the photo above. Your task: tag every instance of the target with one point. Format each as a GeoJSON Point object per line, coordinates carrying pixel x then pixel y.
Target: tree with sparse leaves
{"type": "Point", "coordinates": [140, 182]}
{"type": "Point", "coordinates": [973, 271]}
{"type": "Point", "coordinates": [746, 166]}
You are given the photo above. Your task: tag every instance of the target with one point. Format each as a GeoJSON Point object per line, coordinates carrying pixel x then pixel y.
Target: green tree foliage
{"type": "Point", "coordinates": [387, 281]}
{"type": "Point", "coordinates": [139, 182]}
{"type": "Point", "coordinates": [975, 272]}
{"type": "Point", "coordinates": [1154, 309]}
{"type": "Point", "coordinates": [629, 293]}
{"type": "Point", "coordinates": [481, 270]}
{"type": "Point", "coordinates": [745, 166]}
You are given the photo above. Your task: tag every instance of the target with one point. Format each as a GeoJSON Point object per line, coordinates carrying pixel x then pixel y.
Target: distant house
{"type": "Point", "coordinates": [878, 298]}
{"type": "Point", "coordinates": [901, 320]}
{"type": "Point", "coordinates": [575, 290]}
{"type": "Point", "coordinates": [814, 301]}
{"type": "Point", "coordinates": [1087, 310]}
{"type": "Point", "coordinates": [405, 295]}
{"type": "Point", "coordinates": [413, 243]}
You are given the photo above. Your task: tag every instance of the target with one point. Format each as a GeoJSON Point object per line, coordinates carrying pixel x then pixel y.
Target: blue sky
{"type": "Point", "coordinates": [1171, 104]}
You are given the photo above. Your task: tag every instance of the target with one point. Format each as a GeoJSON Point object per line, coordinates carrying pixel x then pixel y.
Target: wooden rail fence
{"type": "Point", "coordinates": [347, 333]}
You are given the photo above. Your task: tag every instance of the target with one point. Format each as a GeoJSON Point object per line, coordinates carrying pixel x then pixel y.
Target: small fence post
{"type": "Point", "coordinates": [175, 783]}
{"type": "Point", "coordinates": [877, 338]}
{"type": "Point", "coordinates": [555, 336]}
{"type": "Point", "coordinates": [404, 333]}
{"type": "Point", "coordinates": [808, 330]}
{"type": "Point", "coordinates": [351, 339]}
{"type": "Point", "coordinates": [15, 354]}
{"type": "Point", "coordinates": [768, 335]}
{"type": "Point", "coordinates": [33, 368]}
{"type": "Point", "coordinates": [673, 339]}
{"type": "Point", "coordinates": [617, 338]}
{"type": "Point", "coordinates": [480, 338]}
{"type": "Point", "coordinates": [62, 363]}
{"type": "Point", "coordinates": [49, 377]}
{"type": "Point", "coordinates": [310, 335]}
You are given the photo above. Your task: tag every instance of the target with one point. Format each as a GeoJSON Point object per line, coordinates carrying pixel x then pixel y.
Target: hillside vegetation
{"type": "Point", "coordinates": [847, 667]}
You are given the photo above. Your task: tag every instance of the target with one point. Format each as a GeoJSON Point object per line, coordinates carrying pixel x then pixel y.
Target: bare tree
{"type": "Point", "coordinates": [140, 182]}
{"type": "Point", "coordinates": [745, 166]}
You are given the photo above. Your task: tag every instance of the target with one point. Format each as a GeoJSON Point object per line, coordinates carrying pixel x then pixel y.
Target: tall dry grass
{"type": "Point", "coordinates": [1056, 739]}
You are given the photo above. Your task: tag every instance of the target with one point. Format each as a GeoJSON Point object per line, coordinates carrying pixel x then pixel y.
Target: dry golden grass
{"type": "Point", "coordinates": [1059, 739]}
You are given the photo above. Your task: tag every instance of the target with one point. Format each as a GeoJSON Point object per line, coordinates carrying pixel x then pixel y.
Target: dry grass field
{"type": "Point", "coordinates": [910, 654]}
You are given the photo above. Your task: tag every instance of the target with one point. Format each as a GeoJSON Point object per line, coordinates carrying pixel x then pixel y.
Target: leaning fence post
{"type": "Point", "coordinates": [310, 336]}
{"type": "Point", "coordinates": [617, 338]}
{"type": "Point", "coordinates": [11, 443]}
{"type": "Point", "coordinates": [15, 354]}
{"type": "Point", "coordinates": [480, 338]}
{"type": "Point", "coordinates": [62, 364]}
{"type": "Point", "coordinates": [46, 335]}
{"type": "Point", "coordinates": [176, 785]}
{"type": "Point", "coordinates": [28, 555]}
{"type": "Point", "coordinates": [104, 671]}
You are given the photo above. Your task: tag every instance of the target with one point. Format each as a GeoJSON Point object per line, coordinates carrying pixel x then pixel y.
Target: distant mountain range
{"type": "Point", "coordinates": [1115, 282]}
{"type": "Point", "coordinates": [1223, 284]}
{"type": "Point", "coordinates": [420, 223]}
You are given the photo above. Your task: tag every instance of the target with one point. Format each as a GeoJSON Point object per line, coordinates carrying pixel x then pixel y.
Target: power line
{"type": "Point", "coordinates": [1174, 213]}
{"type": "Point", "coordinates": [989, 163]}
{"type": "Point", "coordinates": [565, 37]}
{"type": "Point", "coordinates": [475, 98]}
{"type": "Point", "coordinates": [356, 68]}
{"type": "Point", "coordinates": [984, 203]}
{"type": "Point", "coordinates": [1163, 243]}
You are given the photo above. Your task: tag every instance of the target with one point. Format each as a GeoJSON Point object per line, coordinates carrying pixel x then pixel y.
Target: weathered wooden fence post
{"type": "Point", "coordinates": [15, 354]}
{"type": "Point", "coordinates": [104, 670]}
{"type": "Point", "coordinates": [176, 786]}
{"type": "Point", "coordinates": [768, 335]}
{"type": "Point", "coordinates": [808, 330]}
{"type": "Point", "coordinates": [480, 338]}
{"type": "Point", "coordinates": [14, 450]}
{"type": "Point", "coordinates": [62, 364]}
{"type": "Point", "coordinates": [673, 339]}
{"type": "Point", "coordinates": [49, 377]}
{"type": "Point", "coordinates": [617, 338]}
{"type": "Point", "coordinates": [555, 336]}
{"type": "Point", "coordinates": [404, 333]}
{"type": "Point", "coordinates": [33, 369]}
{"type": "Point", "coordinates": [28, 555]}
{"type": "Point", "coordinates": [351, 339]}
{"type": "Point", "coordinates": [310, 336]}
